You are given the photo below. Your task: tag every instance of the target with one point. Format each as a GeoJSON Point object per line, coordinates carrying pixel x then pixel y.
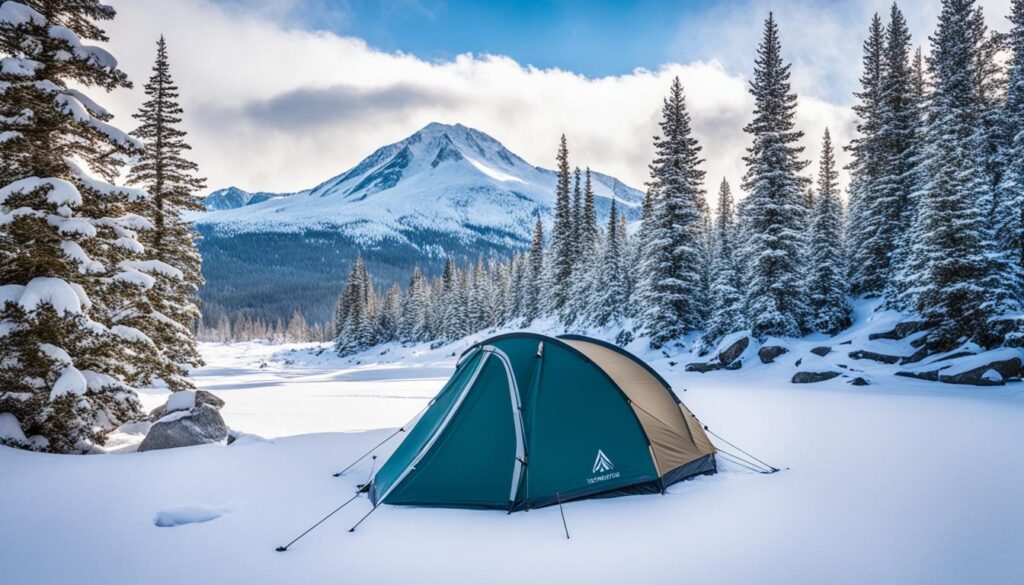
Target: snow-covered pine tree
{"type": "Point", "coordinates": [954, 263]}
{"type": "Point", "coordinates": [533, 279]}
{"type": "Point", "coordinates": [899, 137]}
{"type": "Point", "coordinates": [356, 315]}
{"type": "Point", "coordinates": [298, 329]}
{"type": "Point", "coordinates": [170, 247]}
{"type": "Point", "coordinates": [577, 210]}
{"type": "Point", "coordinates": [726, 298]}
{"type": "Point", "coordinates": [608, 305]}
{"type": "Point", "coordinates": [562, 248]}
{"type": "Point", "coordinates": [585, 270]}
{"type": "Point", "coordinates": [670, 294]}
{"type": "Point", "coordinates": [66, 238]}
{"type": "Point", "coordinates": [773, 212]}
{"type": "Point", "coordinates": [414, 321]}
{"type": "Point", "coordinates": [454, 321]}
{"type": "Point", "coordinates": [389, 314]}
{"type": "Point", "coordinates": [826, 283]}
{"type": "Point", "coordinates": [869, 243]}
{"type": "Point", "coordinates": [1010, 222]}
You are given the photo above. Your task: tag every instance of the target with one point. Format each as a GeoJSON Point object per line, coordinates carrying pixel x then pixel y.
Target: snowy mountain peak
{"type": "Point", "coordinates": [445, 178]}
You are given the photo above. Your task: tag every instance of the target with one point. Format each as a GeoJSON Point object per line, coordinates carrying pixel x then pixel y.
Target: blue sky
{"type": "Point", "coordinates": [595, 38]}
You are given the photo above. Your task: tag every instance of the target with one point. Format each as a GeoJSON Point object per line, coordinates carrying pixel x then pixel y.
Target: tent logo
{"type": "Point", "coordinates": [602, 463]}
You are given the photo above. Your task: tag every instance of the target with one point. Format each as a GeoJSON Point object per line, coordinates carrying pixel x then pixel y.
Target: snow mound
{"type": "Point", "coordinates": [10, 429]}
{"type": "Point", "coordinates": [192, 514]}
{"type": "Point", "coordinates": [183, 400]}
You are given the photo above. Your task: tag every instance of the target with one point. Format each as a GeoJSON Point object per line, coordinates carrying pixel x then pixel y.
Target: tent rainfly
{"type": "Point", "coordinates": [528, 421]}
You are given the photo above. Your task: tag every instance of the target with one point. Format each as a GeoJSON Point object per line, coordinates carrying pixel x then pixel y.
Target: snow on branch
{"type": "Point", "coordinates": [101, 186]}
{"type": "Point", "coordinates": [61, 192]}
{"type": "Point", "coordinates": [69, 104]}
{"type": "Point", "coordinates": [17, 14]}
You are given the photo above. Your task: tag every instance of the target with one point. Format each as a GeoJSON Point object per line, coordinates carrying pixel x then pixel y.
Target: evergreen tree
{"type": "Point", "coordinates": [773, 212]}
{"type": "Point", "coordinates": [869, 236]}
{"type": "Point", "coordinates": [1010, 221]}
{"type": "Point", "coordinates": [960, 289]}
{"type": "Point", "coordinates": [390, 314]}
{"type": "Point", "coordinates": [671, 287]}
{"type": "Point", "coordinates": [587, 266]}
{"type": "Point", "coordinates": [170, 246]}
{"type": "Point", "coordinates": [563, 245]}
{"type": "Point", "coordinates": [609, 301]}
{"type": "Point", "coordinates": [414, 321]}
{"type": "Point", "coordinates": [68, 245]}
{"type": "Point", "coordinates": [534, 277]}
{"type": "Point", "coordinates": [830, 311]}
{"type": "Point", "coordinates": [726, 298]}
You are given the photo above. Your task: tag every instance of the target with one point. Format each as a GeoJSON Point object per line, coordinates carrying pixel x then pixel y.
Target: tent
{"type": "Point", "coordinates": [529, 420]}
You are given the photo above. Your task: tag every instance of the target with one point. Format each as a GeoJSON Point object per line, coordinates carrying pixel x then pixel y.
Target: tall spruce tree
{"type": "Point", "coordinates": [69, 250]}
{"type": "Point", "coordinates": [172, 182]}
{"type": "Point", "coordinates": [563, 245]}
{"type": "Point", "coordinates": [609, 300]}
{"type": "Point", "coordinates": [726, 298]}
{"type": "Point", "coordinates": [830, 311]}
{"type": "Point", "coordinates": [960, 288]}
{"type": "Point", "coordinates": [773, 212]}
{"type": "Point", "coordinates": [868, 237]}
{"type": "Point", "coordinates": [533, 285]}
{"type": "Point", "coordinates": [1010, 222]}
{"type": "Point", "coordinates": [671, 287]}
{"type": "Point", "coordinates": [588, 259]}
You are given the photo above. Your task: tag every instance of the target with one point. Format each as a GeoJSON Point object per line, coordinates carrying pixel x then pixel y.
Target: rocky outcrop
{"type": "Point", "coordinates": [992, 374]}
{"type": "Point", "coordinates": [702, 367]}
{"type": "Point", "coordinates": [900, 331]}
{"type": "Point", "coordinates": [768, 353]}
{"type": "Point", "coordinates": [862, 354]}
{"type": "Point", "coordinates": [858, 381]}
{"type": "Point", "coordinates": [821, 351]}
{"type": "Point", "coordinates": [812, 377]}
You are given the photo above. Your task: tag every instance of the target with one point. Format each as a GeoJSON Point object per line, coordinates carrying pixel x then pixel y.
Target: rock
{"type": "Point", "coordinates": [900, 331]}
{"type": "Point", "coordinates": [702, 367]}
{"type": "Point", "coordinates": [847, 342]}
{"type": "Point", "coordinates": [733, 366]}
{"type": "Point", "coordinates": [858, 381]}
{"type": "Point", "coordinates": [201, 425]}
{"type": "Point", "coordinates": [812, 377]}
{"type": "Point", "coordinates": [821, 351]}
{"type": "Point", "coordinates": [915, 357]}
{"type": "Point", "coordinates": [932, 376]}
{"type": "Point", "coordinates": [992, 374]}
{"type": "Point", "coordinates": [201, 397]}
{"type": "Point", "coordinates": [861, 354]}
{"type": "Point", "coordinates": [734, 351]}
{"type": "Point", "coordinates": [798, 362]}
{"type": "Point", "coordinates": [768, 353]}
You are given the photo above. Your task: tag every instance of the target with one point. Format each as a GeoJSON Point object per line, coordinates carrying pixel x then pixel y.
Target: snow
{"type": "Point", "coordinates": [61, 192]}
{"type": "Point", "coordinates": [187, 515]}
{"type": "Point", "coordinates": [17, 14]}
{"type": "Point", "coordinates": [10, 429]}
{"type": "Point", "coordinates": [55, 291]}
{"type": "Point", "coordinates": [71, 381]}
{"type": "Point", "coordinates": [182, 400]}
{"type": "Point", "coordinates": [903, 481]}
{"type": "Point", "coordinates": [178, 415]}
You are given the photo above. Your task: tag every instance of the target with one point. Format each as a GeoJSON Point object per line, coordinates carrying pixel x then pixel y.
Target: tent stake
{"type": "Point", "coordinates": [353, 529]}
{"type": "Point", "coordinates": [562, 512]}
{"type": "Point", "coordinates": [310, 529]}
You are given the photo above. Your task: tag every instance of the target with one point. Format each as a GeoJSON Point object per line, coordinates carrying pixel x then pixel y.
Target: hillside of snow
{"type": "Point", "coordinates": [900, 481]}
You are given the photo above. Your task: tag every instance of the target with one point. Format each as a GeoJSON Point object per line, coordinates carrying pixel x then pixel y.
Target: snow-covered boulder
{"type": "Point", "coordinates": [184, 428]}
{"type": "Point", "coordinates": [185, 400]}
{"type": "Point", "coordinates": [863, 354]}
{"type": "Point", "coordinates": [812, 377]}
{"type": "Point", "coordinates": [732, 347]}
{"type": "Point", "coordinates": [900, 331]}
{"type": "Point", "coordinates": [990, 368]}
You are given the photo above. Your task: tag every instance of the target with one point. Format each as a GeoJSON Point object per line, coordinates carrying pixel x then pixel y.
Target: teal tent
{"type": "Point", "coordinates": [529, 420]}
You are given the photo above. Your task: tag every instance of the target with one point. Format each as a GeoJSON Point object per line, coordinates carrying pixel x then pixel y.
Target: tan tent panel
{"type": "Point", "coordinates": [676, 437]}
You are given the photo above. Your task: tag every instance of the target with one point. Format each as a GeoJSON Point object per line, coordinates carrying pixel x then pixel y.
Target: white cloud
{"type": "Point", "coordinates": [273, 107]}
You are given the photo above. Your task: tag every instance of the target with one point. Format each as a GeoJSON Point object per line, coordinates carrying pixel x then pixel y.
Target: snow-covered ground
{"type": "Point", "coordinates": [903, 481]}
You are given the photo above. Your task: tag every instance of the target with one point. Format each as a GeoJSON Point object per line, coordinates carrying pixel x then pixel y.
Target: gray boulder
{"type": "Point", "coordinates": [812, 377]}
{"type": "Point", "coordinates": [900, 331]}
{"type": "Point", "coordinates": [730, 354]}
{"type": "Point", "coordinates": [992, 374]}
{"type": "Point", "coordinates": [202, 397]}
{"type": "Point", "coordinates": [702, 367]}
{"type": "Point", "coordinates": [858, 381]}
{"type": "Point", "coordinates": [861, 354]}
{"type": "Point", "coordinates": [198, 426]}
{"type": "Point", "coordinates": [768, 353]}
{"type": "Point", "coordinates": [821, 351]}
